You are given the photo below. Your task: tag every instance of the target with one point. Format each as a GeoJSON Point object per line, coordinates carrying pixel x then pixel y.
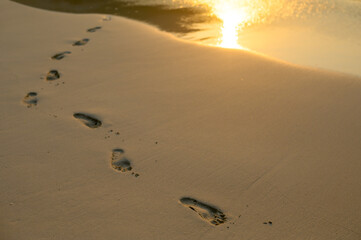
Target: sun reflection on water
{"type": "Point", "coordinates": [233, 15]}
{"type": "Point", "coordinates": [231, 18]}
{"type": "Point", "coordinates": [236, 15]}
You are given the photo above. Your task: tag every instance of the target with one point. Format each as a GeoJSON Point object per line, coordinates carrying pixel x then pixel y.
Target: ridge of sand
{"type": "Point", "coordinates": [272, 146]}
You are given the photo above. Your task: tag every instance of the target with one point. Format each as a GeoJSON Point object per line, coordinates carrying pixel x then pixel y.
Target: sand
{"type": "Point", "coordinates": [138, 135]}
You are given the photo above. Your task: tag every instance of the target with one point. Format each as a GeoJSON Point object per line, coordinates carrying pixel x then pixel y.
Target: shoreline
{"type": "Point", "coordinates": [326, 39]}
{"type": "Point", "coordinates": [124, 135]}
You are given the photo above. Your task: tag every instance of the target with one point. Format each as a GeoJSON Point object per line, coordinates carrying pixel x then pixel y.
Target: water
{"type": "Point", "coordinates": [318, 33]}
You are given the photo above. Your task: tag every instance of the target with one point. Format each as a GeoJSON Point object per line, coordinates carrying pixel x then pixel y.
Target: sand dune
{"type": "Point", "coordinates": [137, 127]}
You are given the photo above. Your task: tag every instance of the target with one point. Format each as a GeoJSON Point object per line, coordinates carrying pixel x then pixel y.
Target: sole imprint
{"type": "Point", "coordinates": [88, 121]}
{"type": "Point", "coordinates": [52, 75]}
{"type": "Point", "coordinates": [31, 99]}
{"type": "Point", "coordinates": [81, 42]}
{"type": "Point", "coordinates": [119, 162]}
{"type": "Point", "coordinates": [107, 18]}
{"type": "Point", "coordinates": [209, 214]}
{"type": "Point", "coordinates": [60, 56]}
{"type": "Point", "coordinates": [94, 29]}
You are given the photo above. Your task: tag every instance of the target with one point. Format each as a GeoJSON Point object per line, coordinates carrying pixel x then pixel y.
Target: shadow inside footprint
{"type": "Point", "coordinates": [119, 162]}
{"type": "Point", "coordinates": [81, 42]}
{"type": "Point", "coordinates": [31, 99]}
{"type": "Point", "coordinates": [88, 121]}
{"type": "Point", "coordinates": [208, 213]}
{"type": "Point", "coordinates": [60, 56]}
{"type": "Point", "coordinates": [52, 75]}
{"type": "Point", "coordinates": [94, 29]}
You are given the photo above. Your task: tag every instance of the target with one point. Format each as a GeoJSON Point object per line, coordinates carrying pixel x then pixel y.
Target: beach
{"type": "Point", "coordinates": [134, 134]}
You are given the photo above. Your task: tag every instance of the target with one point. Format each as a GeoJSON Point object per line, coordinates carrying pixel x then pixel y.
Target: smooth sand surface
{"type": "Point", "coordinates": [268, 149]}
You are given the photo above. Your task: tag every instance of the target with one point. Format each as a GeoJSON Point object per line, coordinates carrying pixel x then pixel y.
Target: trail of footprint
{"type": "Point", "coordinates": [31, 99]}
{"type": "Point", "coordinates": [209, 214]}
{"type": "Point", "coordinates": [81, 42]}
{"type": "Point", "coordinates": [87, 120]}
{"type": "Point", "coordinates": [52, 75]}
{"type": "Point", "coordinates": [60, 56]}
{"type": "Point", "coordinates": [94, 29]}
{"type": "Point", "coordinates": [119, 162]}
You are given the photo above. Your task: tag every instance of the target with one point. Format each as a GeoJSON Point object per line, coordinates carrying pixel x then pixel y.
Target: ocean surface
{"type": "Point", "coordinates": [318, 33]}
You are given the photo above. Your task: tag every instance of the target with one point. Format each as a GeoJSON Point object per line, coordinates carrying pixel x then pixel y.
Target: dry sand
{"type": "Point", "coordinates": [265, 149]}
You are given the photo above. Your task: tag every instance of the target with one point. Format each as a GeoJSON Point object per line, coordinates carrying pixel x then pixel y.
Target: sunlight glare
{"type": "Point", "coordinates": [232, 17]}
{"type": "Point", "coordinates": [237, 15]}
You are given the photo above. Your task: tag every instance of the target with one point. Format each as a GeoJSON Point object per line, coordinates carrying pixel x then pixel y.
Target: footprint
{"type": "Point", "coordinates": [88, 120]}
{"type": "Point", "coordinates": [60, 56]}
{"type": "Point", "coordinates": [107, 18]}
{"type": "Point", "coordinates": [209, 214]}
{"type": "Point", "coordinates": [94, 29]}
{"type": "Point", "coordinates": [52, 75]}
{"type": "Point", "coordinates": [31, 99]}
{"type": "Point", "coordinates": [119, 162]}
{"type": "Point", "coordinates": [81, 42]}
